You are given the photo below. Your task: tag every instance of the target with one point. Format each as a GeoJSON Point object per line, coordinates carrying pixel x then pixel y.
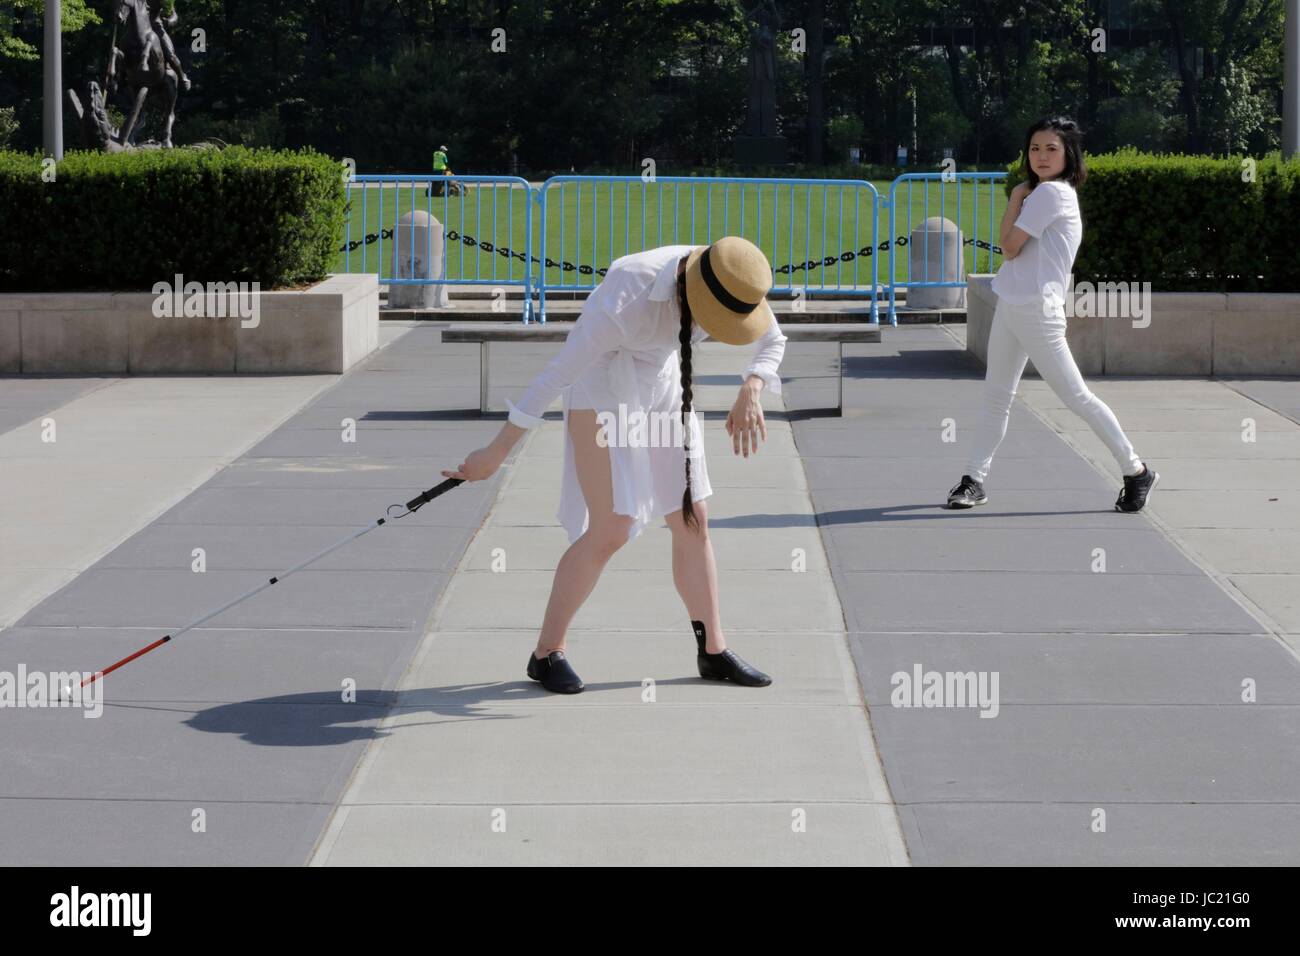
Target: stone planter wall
{"type": "Point", "coordinates": [1190, 333]}
{"type": "Point", "coordinates": [326, 328]}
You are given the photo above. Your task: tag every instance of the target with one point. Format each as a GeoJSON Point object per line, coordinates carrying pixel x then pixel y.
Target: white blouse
{"type": "Point", "coordinates": [623, 352]}
{"type": "Point", "coordinates": [1041, 271]}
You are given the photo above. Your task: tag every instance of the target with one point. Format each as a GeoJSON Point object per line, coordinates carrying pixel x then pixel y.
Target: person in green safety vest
{"type": "Point", "coordinates": [439, 169]}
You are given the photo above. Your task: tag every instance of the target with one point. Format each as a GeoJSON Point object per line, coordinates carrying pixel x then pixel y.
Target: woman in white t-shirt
{"type": "Point", "coordinates": [1040, 234]}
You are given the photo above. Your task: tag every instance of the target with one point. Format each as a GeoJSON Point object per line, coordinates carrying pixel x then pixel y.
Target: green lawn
{"type": "Point", "coordinates": [603, 221]}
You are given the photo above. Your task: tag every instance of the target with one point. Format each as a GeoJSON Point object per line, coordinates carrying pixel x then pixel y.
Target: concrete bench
{"type": "Point", "coordinates": [485, 333]}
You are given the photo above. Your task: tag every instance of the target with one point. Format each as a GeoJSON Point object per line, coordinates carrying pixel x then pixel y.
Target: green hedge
{"type": "Point", "coordinates": [125, 221]}
{"type": "Point", "coordinates": [1188, 223]}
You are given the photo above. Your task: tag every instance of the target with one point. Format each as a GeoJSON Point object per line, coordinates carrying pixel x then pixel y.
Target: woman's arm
{"type": "Point", "coordinates": [745, 422]}
{"type": "Point", "coordinates": [595, 333]}
{"type": "Point", "coordinates": [768, 352]}
{"type": "Point", "coordinates": [1010, 237]}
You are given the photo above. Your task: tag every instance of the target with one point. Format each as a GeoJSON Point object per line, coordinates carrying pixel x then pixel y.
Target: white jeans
{"type": "Point", "coordinates": [1019, 333]}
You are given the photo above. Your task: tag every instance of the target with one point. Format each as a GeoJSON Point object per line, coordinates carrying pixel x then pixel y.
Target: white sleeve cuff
{"type": "Point", "coordinates": [521, 418]}
{"type": "Point", "coordinates": [771, 381]}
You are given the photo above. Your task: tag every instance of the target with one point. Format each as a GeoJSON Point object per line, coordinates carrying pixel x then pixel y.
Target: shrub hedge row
{"type": "Point", "coordinates": [1189, 223]}
{"type": "Point", "coordinates": [124, 221]}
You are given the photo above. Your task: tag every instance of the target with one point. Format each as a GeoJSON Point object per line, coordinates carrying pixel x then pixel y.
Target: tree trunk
{"type": "Point", "coordinates": [813, 72]}
{"type": "Point", "coordinates": [953, 55]}
{"type": "Point", "coordinates": [1094, 74]}
{"type": "Point", "coordinates": [1188, 94]}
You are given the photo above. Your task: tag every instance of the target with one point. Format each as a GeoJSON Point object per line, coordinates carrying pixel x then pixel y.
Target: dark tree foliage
{"type": "Point", "coordinates": [537, 86]}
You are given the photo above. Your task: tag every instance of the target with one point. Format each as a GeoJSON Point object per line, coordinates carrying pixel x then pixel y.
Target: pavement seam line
{"type": "Point", "coordinates": [153, 516]}
{"type": "Point", "coordinates": [854, 690]}
{"type": "Point", "coordinates": [333, 828]}
{"type": "Point", "coordinates": [109, 383]}
{"type": "Point", "coordinates": [1258, 401]}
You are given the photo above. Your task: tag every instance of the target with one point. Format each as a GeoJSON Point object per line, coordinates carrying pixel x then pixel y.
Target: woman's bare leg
{"type": "Point", "coordinates": [696, 574]}
{"type": "Point", "coordinates": [580, 567]}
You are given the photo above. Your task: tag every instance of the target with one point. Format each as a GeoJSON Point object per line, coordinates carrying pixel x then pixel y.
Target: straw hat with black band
{"type": "Point", "coordinates": [726, 283]}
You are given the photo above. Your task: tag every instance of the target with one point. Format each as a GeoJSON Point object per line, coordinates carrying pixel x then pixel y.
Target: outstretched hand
{"type": "Point", "coordinates": [478, 465]}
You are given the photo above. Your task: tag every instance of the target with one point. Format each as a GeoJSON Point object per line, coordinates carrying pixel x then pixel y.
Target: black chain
{"type": "Point", "coordinates": [488, 247]}
{"type": "Point", "coordinates": [866, 251]}
{"type": "Point", "coordinates": [485, 246]}
{"type": "Point", "coordinates": [370, 237]}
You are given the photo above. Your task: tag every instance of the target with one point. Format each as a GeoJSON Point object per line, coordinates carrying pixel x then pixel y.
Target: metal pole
{"type": "Point", "coordinates": [1291, 81]}
{"type": "Point", "coordinates": [53, 89]}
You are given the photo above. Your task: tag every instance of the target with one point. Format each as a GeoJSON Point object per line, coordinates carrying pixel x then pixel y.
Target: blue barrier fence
{"type": "Point", "coordinates": [944, 184]}
{"type": "Point", "coordinates": [822, 236]}
{"type": "Point", "coordinates": [605, 217]}
{"type": "Point", "coordinates": [485, 209]}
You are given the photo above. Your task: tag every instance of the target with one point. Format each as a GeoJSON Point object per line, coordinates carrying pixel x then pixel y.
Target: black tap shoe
{"type": "Point", "coordinates": [725, 666]}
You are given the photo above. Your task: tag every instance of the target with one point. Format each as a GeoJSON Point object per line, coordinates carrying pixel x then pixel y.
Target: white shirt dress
{"type": "Point", "coordinates": [623, 351]}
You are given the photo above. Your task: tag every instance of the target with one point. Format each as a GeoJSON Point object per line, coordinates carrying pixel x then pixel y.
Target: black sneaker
{"type": "Point", "coordinates": [967, 494]}
{"type": "Point", "coordinates": [554, 673]}
{"type": "Point", "coordinates": [1136, 490]}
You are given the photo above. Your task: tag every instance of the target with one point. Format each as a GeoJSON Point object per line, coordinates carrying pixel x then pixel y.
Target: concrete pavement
{"type": "Point", "coordinates": [650, 764]}
{"type": "Point", "coordinates": [1125, 646]}
{"type": "Point", "coordinates": [232, 743]}
{"type": "Point", "coordinates": [1126, 733]}
{"type": "Point", "coordinates": [86, 462]}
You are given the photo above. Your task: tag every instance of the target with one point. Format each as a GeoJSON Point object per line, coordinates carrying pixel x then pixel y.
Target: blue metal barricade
{"type": "Point", "coordinates": [815, 230]}
{"type": "Point", "coordinates": [488, 229]}
{"type": "Point", "coordinates": [822, 236]}
{"type": "Point", "coordinates": [970, 221]}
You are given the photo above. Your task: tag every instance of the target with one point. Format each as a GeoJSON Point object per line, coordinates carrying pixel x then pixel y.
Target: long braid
{"type": "Point", "coordinates": [688, 508]}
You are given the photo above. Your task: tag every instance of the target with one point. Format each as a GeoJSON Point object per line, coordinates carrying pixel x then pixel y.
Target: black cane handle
{"type": "Point", "coordinates": [435, 491]}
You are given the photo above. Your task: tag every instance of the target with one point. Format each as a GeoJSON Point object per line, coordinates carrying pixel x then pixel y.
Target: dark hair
{"type": "Point", "coordinates": [1071, 138]}
{"type": "Point", "coordinates": [688, 508]}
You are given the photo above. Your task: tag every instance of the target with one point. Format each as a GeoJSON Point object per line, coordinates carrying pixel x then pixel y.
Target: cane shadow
{"type": "Point", "coordinates": [322, 719]}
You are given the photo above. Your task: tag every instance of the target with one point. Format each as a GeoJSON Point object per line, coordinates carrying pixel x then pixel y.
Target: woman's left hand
{"type": "Point", "coordinates": [745, 422]}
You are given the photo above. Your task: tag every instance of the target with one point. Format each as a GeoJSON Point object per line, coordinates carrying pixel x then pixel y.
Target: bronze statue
{"type": "Point", "coordinates": [97, 131]}
{"type": "Point", "coordinates": [149, 64]}
{"type": "Point", "coordinates": [143, 61]}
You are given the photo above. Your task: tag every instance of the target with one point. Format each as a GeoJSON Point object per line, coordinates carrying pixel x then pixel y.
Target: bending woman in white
{"type": "Point", "coordinates": [628, 361]}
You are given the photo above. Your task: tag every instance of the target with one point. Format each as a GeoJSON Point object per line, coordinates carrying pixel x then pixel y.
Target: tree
{"type": "Point", "coordinates": [21, 22]}
{"type": "Point", "coordinates": [1222, 32]}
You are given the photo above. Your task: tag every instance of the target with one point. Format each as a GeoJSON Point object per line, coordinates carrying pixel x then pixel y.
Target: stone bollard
{"type": "Point", "coordinates": [417, 254]}
{"type": "Point", "coordinates": [944, 240]}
